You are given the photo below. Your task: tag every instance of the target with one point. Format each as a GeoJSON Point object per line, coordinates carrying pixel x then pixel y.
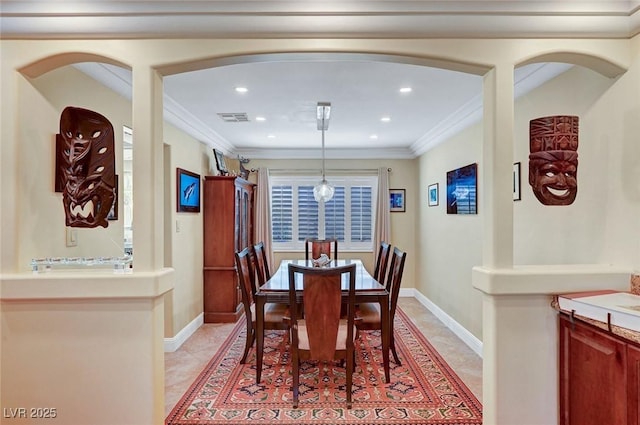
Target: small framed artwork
{"type": "Point", "coordinates": [188, 191]}
{"type": "Point", "coordinates": [462, 187]}
{"type": "Point", "coordinates": [396, 200]}
{"type": "Point", "coordinates": [113, 212]}
{"type": "Point", "coordinates": [220, 164]}
{"type": "Point", "coordinates": [516, 182]}
{"type": "Point", "coordinates": [433, 194]}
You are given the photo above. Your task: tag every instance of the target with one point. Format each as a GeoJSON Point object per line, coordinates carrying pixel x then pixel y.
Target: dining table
{"type": "Point", "coordinates": [276, 290]}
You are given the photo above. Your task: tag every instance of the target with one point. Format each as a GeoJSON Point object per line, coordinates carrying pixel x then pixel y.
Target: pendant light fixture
{"type": "Point", "coordinates": [323, 191]}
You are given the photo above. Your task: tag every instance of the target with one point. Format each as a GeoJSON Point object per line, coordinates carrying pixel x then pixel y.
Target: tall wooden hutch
{"type": "Point", "coordinates": [228, 207]}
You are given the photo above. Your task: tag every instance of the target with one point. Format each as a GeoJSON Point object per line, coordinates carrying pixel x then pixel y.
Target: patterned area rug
{"type": "Point", "coordinates": [424, 390]}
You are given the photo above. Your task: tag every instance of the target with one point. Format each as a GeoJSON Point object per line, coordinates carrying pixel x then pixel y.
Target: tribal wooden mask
{"type": "Point", "coordinates": [553, 161]}
{"type": "Point", "coordinates": [88, 167]}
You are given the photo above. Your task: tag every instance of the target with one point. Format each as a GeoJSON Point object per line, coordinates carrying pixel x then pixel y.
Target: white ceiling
{"type": "Point", "coordinates": [285, 93]}
{"type": "Point", "coordinates": [285, 89]}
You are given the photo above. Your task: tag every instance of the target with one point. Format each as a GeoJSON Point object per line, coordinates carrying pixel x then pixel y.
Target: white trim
{"type": "Point", "coordinates": [467, 337]}
{"type": "Point", "coordinates": [172, 344]}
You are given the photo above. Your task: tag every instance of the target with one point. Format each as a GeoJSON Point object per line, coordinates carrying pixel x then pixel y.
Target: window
{"type": "Point", "coordinates": [349, 216]}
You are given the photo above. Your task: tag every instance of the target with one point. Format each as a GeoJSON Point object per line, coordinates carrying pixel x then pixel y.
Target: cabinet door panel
{"type": "Point", "coordinates": [593, 381]}
{"type": "Point", "coordinates": [633, 372]}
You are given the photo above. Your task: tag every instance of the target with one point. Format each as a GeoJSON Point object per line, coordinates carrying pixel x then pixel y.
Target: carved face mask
{"type": "Point", "coordinates": [553, 162]}
{"type": "Point", "coordinates": [553, 177]}
{"type": "Point", "coordinates": [88, 167]}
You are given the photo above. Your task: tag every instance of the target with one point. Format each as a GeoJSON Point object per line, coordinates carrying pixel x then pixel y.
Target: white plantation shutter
{"type": "Point", "coordinates": [348, 216]}
{"type": "Point", "coordinates": [334, 215]}
{"type": "Point", "coordinates": [361, 214]}
{"type": "Point", "coordinates": [281, 213]}
{"type": "Point", "coordinates": [307, 213]}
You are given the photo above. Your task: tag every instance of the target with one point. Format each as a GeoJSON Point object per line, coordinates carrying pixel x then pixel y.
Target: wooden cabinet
{"type": "Point", "coordinates": [228, 205]}
{"type": "Point", "coordinates": [598, 376]}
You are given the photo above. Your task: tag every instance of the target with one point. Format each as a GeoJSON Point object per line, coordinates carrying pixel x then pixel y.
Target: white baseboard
{"type": "Point", "coordinates": [467, 337]}
{"type": "Point", "coordinates": [172, 344]}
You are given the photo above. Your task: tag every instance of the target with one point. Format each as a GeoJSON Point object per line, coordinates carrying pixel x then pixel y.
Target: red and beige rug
{"type": "Point", "coordinates": [424, 390]}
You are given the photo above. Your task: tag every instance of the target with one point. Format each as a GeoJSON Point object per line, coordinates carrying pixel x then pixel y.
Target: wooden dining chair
{"type": "Point", "coordinates": [322, 335]}
{"type": "Point", "coordinates": [274, 313]}
{"type": "Point", "coordinates": [262, 265]}
{"type": "Point", "coordinates": [368, 316]}
{"type": "Point", "coordinates": [313, 248]}
{"type": "Point", "coordinates": [382, 261]}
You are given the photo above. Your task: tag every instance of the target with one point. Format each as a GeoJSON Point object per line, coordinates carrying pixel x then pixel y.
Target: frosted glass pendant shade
{"type": "Point", "coordinates": [323, 191]}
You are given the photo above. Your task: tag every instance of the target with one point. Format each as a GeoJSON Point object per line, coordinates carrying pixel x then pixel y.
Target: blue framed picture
{"type": "Point", "coordinates": [188, 191]}
{"type": "Point", "coordinates": [462, 188]}
{"type": "Point", "coordinates": [434, 197]}
{"type": "Point", "coordinates": [396, 200]}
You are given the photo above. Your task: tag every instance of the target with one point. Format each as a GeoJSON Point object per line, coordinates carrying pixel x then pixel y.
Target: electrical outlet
{"type": "Point", "coordinates": [72, 236]}
{"type": "Point", "coordinates": [177, 226]}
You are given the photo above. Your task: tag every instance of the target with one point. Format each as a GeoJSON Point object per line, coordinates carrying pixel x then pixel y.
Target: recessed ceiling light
{"type": "Point", "coordinates": [261, 119]}
{"type": "Point", "coordinates": [405, 90]}
{"type": "Point", "coordinates": [242, 89]}
{"type": "Point", "coordinates": [373, 136]}
{"type": "Point", "coordinates": [271, 136]}
{"type": "Point", "coordinates": [385, 119]}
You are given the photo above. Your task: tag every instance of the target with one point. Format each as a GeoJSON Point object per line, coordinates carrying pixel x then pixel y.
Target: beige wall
{"type": "Point", "coordinates": [44, 98]}
{"type": "Point", "coordinates": [450, 245]}
{"type": "Point", "coordinates": [186, 301]}
{"type": "Point", "coordinates": [601, 226]}
{"type": "Point", "coordinates": [41, 103]}
{"type": "Point", "coordinates": [573, 234]}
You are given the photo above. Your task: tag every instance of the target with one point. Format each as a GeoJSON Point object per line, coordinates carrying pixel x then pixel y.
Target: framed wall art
{"type": "Point", "coordinates": [220, 163]}
{"type": "Point", "coordinates": [462, 188]}
{"type": "Point", "coordinates": [397, 200]}
{"type": "Point", "coordinates": [517, 196]}
{"type": "Point", "coordinates": [433, 194]}
{"type": "Point", "coordinates": [188, 191]}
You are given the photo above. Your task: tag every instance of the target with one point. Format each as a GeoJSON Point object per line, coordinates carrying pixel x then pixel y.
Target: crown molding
{"type": "Point", "coordinates": [382, 153]}
{"type": "Point", "coordinates": [384, 18]}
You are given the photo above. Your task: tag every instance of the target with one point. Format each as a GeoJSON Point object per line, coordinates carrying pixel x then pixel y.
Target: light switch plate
{"type": "Point", "coordinates": [72, 236]}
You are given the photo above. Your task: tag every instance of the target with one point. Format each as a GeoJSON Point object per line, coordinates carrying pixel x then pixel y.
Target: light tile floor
{"type": "Point", "coordinates": [183, 366]}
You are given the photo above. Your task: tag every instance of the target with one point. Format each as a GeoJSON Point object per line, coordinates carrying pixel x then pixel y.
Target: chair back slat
{"type": "Point", "coordinates": [313, 248]}
{"type": "Point", "coordinates": [262, 267]}
{"type": "Point", "coordinates": [322, 301]}
{"type": "Point", "coordinates": [246, 278]}
{"type": "Point", "coordinates": [395, 278]}
{"type": "Point", "coordinates": [381, 262]}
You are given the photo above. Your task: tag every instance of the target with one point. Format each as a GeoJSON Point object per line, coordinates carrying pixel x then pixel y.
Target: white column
{"type": "Point", "coordinates": [497, 232]}
{"type": "Point", "coordinates": [8, 167]}
{"type": "Point", "coordinates": [497, 165]}
{"type": "Point", "coordinates": [148, 209]}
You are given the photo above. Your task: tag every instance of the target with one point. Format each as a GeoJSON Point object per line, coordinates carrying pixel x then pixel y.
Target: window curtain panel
{"type": "Point", "coordinates": [383, 215]}
{"type": "Point", "coordinates": [263, 214]}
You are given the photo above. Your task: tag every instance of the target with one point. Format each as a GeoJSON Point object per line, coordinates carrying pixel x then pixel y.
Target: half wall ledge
{"type": "Point", "coordinates": [549, 279]}
{"type": "Point", "coordinates": [85, 284]}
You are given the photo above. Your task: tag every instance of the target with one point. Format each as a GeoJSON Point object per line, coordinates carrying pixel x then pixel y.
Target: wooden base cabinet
{"type": "Point", "coordinates": [598, 376]}
{"type": "Point", "coordinates": [228, 214]}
